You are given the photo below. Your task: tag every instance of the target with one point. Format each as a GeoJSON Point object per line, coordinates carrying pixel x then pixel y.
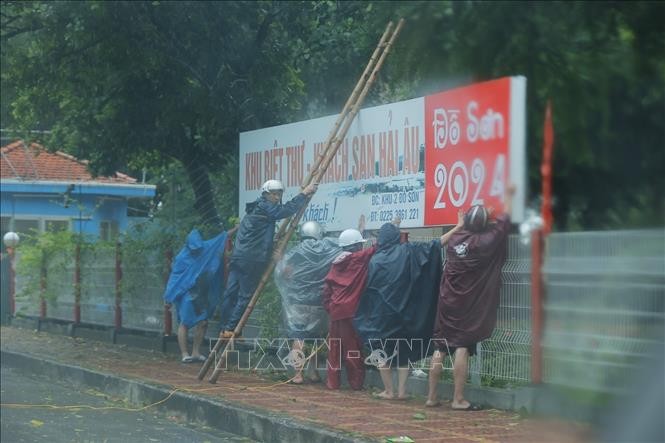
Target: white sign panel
{"type": "Point", "coordinates": [377, 174]}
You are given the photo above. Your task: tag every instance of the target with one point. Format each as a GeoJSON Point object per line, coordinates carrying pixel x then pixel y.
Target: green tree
{"type": "Point", "coordinates": [142, 83]}
{"type": "Point", "coordinates": [139, 83]}
{"type": "Point", "coordinates": [601, 63]}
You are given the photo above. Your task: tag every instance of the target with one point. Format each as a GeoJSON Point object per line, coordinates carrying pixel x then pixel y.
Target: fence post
{"type": "Point", "coordinates": [118, 290]}
{"type": "Point", "coordinates": [42, 288]}
{"type": "Point", "coordinates": [168, 319]}
{"type": "Point", "coordinates": [77, 283]}
{"type": "Point", "coordinates": [12, 281]}
{"type": "Point", "coordinates": [228, 248]}
{"type": "Point", "coordinates": [536, 306]}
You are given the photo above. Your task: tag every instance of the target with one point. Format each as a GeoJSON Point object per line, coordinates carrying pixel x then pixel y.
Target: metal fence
{"type": "Point", "coordinates": [604, 305]}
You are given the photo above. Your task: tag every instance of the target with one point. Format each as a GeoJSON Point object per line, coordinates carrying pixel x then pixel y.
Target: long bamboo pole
{"type": "Point", "coordinates": [344, 120]}
{"type": "Point", "coordinates": [344, 114]}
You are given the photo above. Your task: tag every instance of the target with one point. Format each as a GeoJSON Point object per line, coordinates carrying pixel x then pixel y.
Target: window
{"type": "Point", "coordinates": [4, 225]}
{"type": "Point", "coordinates": [26, 228]}
{"type": "Point", "coordinates": [56, 225]}
{"type": "Point", "coordinates": [29, 227]}
{"type": "Point", "coordinates": [108, 230]}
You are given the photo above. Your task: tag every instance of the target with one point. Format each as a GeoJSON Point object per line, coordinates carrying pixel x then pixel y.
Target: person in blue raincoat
{"type": "Point", "coordinates": [252, 249]}
{"type": "Point", "coordinates": [194, 287]}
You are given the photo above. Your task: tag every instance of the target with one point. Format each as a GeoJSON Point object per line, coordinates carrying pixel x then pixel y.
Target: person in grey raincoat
{"type": "Point", "coordinates": [299, 277]}
{"type": "Point", "coordinates": [252, 249]}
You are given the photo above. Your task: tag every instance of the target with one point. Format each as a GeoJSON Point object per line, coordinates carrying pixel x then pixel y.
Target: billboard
{"type": "Point", "coordinates": [420, 159]}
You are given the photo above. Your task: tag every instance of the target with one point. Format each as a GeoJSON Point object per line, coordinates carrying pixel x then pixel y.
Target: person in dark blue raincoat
{"type": "Point", "coordinates": [252, 249]}
{"type": "Point", "coordinates": [194, 287]}
{"type": "Point", "coordinates": [396, 313]}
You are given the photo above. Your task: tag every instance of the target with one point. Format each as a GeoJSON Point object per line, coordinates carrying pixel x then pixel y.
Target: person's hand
{"type": "Point", "coordinates": [460, 219]}
{"type": "Point", "coordinates": [361, 223]}
{"type": "Point", "coordinates": [310, 189]}
{"type": "Point", "coordinates": [508, 200]}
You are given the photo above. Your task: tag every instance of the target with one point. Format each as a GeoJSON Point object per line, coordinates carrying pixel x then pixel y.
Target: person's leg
{"type": "Point", "coordinates": [229, 299]}
{"type": "Point", "coordinates": [353, 361]}
{"type": "Point", "coordinates": [386, 373]}
{"type": "Point", "coordinates": [334, 355]}
{"type": "Point", "coordinates": [296, 350]}
{"type": "Point", "coordinates": [402, 376]}
{"type": "Point", "coordinates": [434, 376]}
{"type": "Point", "coordinates": [182, 340]}
{"type": "Point", "coordinates": [460, 372]}
{"type": "Point", "coordinates": [312, 364]}
{"type": "Point", "coordinates": [199, 334]}
{"type": "Point", "coordinates": [248, 280]}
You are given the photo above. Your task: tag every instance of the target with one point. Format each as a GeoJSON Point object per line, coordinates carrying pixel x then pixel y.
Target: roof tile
{"type": "Point", "coordinates": [35, 163]}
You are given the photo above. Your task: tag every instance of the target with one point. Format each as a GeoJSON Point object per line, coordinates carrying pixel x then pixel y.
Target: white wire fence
{"type": "Point", "coordinates": [604, 305]}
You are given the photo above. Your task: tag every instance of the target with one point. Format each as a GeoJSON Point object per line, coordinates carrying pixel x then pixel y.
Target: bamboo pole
{"type": "Point", "coordinates": [288, 227]}
{"type": "Point", "coordinates": [344, 114]}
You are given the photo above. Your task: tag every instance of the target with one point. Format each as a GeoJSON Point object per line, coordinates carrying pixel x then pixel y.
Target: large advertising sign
{"type": "Point", "coordinates": [475, 147]}
{"type": "Point", "coordinates": [419, 160]}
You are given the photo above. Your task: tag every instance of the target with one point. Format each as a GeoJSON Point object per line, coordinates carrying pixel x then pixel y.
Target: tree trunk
{"type": "Point", "coordinates": [204, 202]}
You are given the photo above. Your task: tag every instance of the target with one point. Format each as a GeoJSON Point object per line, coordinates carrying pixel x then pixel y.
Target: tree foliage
{"type": "Point", "coordinates": [141, 84]}
{"type": "Point", "coordinates": [601, 63]}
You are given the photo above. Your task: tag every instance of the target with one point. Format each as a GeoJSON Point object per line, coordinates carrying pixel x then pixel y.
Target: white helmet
{"type": "Point", "coordinates": [272, 185]}
{"type": "Point", "coordinates": [311, 229]}
{"type": "Point", "coordinates": [350, 237]}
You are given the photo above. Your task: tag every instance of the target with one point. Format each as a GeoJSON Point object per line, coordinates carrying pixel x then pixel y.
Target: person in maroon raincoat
{"type": "Point", "coordinates": [342, 289]}
{"type": "Point", "coordinates": [469, 295]}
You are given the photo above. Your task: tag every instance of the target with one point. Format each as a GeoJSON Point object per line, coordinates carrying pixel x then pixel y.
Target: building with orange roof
{"type": "Point", "coordinates": [52, 191]}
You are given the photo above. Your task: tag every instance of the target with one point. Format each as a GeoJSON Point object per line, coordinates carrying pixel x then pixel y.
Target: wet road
{"type": "Point", "coordinates": [54, 425]}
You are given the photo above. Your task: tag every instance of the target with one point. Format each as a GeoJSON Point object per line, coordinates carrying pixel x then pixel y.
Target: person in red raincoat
{"type": "Point", "coordinates": [342, 289]}
{"type": "Point", "coordinates": [469, 295]}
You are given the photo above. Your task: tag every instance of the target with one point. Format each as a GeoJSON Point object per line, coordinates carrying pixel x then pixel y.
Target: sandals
{"type": "Point", "coordinates": [471, 407]}
{"type": "Point", "coordinates": [191, 359]}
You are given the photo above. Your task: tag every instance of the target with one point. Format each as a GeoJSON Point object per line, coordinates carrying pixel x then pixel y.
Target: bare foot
{"type": "Point", "coordinates": [432, 403]}
{"type": "Point", "coordinates": [384, 396]}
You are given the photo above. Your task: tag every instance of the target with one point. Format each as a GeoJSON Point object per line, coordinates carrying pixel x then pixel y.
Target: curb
{"type": "Point", "coordinates": [254, 423]}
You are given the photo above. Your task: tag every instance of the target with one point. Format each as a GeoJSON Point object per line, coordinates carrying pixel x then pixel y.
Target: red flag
{"type": "Point", "coordinates": [546, 169]}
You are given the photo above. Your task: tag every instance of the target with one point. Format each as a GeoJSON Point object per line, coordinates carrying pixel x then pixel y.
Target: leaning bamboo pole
{"type": "Point", "coordinates": [343, 116]}
{"type": "Point", "coordinates": [288, 227]}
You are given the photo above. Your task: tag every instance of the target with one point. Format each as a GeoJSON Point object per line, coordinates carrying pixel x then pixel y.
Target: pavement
{"type": "Point", "coordinates": [259, 405]}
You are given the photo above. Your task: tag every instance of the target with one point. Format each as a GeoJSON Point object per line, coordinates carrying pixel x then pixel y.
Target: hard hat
{"type": "Point", "coordinates": [311, 229]}
{"type": "Point", "coordinates": [476, 218]}
{"type": "Point", "coordinates": [272, 186]}
{"type": "Point", "coordinates": [350, 237]}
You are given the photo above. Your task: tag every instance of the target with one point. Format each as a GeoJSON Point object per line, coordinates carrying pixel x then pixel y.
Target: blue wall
{"type": "Point", "coordinates": [88, 204]}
